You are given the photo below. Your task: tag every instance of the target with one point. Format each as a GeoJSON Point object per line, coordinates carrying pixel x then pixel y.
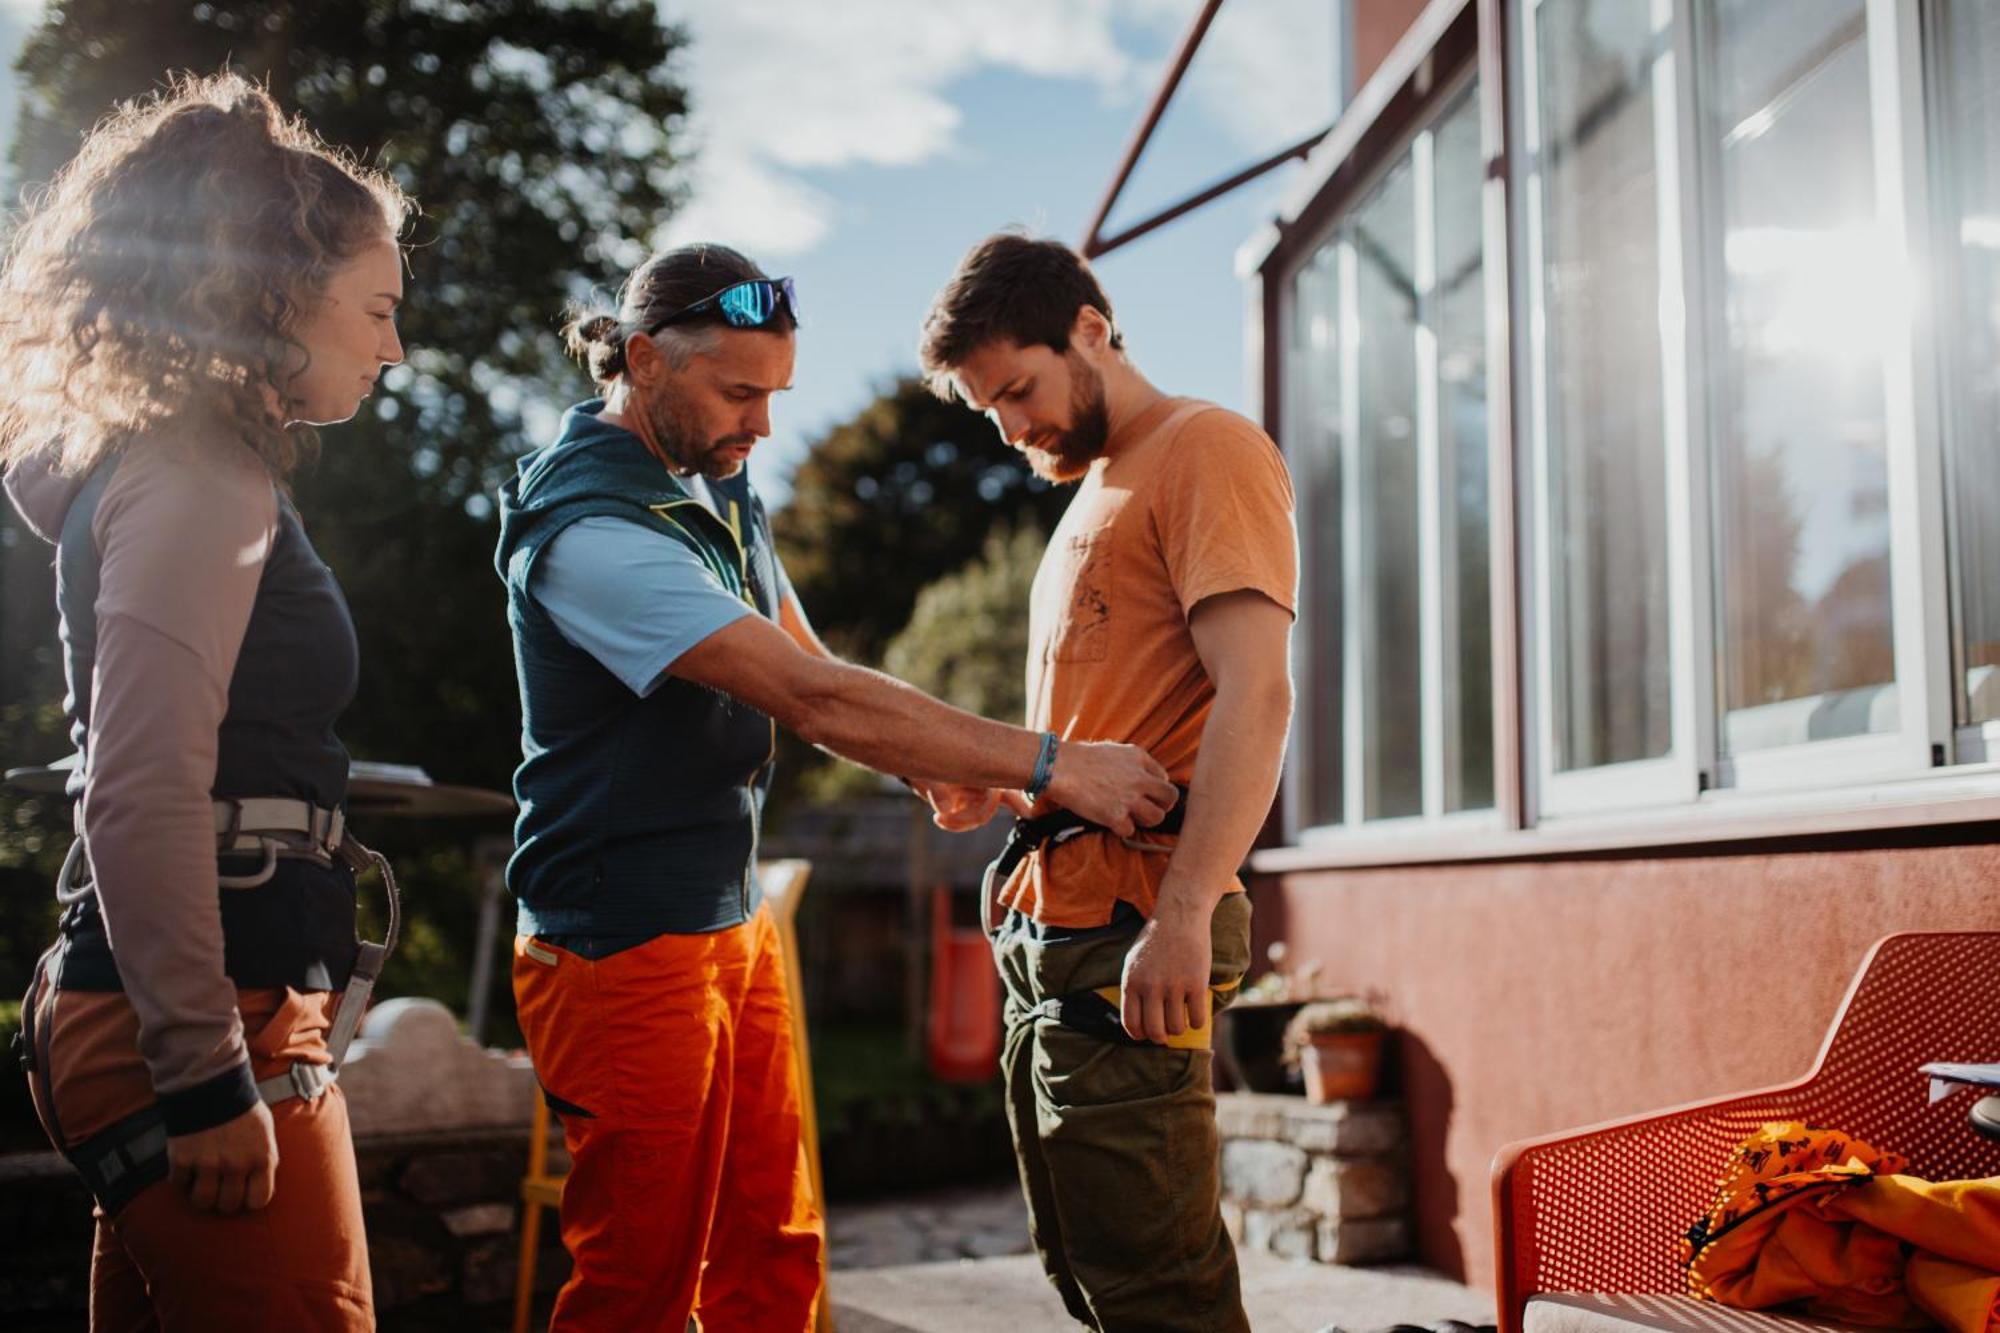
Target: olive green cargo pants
{"type": "Point", "coordinates": [1117, 1143]}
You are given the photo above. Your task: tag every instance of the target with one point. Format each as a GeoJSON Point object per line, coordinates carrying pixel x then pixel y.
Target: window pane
{"type": "Point", "coordinates": [1607, 480]}
{"type": "Point", "coordinates": [1386, 584]}
{"type": "Point", "coordinates": [1313, 373]}
{"type": "Point", "coordinates": [1801, 458]}
{"type": "Point", "coordinates": [1970, 176]}
{"type": "Point", "coordinates": [1459, 311]}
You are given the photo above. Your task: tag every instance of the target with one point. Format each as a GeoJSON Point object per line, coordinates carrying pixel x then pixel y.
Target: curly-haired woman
{"type": "Point", "coordinates": [201, 284]}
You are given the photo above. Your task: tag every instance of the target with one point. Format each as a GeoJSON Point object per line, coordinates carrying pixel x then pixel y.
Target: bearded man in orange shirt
{"type": "Point", "coordinates": [1161, 616]}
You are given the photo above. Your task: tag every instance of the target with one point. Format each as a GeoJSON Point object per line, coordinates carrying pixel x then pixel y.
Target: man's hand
{"type": "Point", "coordinates": [1119, 786]}
{"type": "Point", "coordinates": [1165, 986]}
{"type": "Point", "coordinates": [959, 809]}
{"type": "Point", "coordinates": [229, 1168]}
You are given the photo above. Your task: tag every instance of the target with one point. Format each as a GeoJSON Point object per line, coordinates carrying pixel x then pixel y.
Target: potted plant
{"type": "Point", "coordinates": [1338, 1045]}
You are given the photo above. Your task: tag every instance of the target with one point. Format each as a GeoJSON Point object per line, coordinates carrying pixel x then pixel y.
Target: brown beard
{"type": "Point", "coordinates": [1075, 449]}
{"type": "Point", "coordinates": [674, 443]}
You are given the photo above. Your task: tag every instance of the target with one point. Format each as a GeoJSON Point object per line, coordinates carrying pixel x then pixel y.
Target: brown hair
{"type": "Point", "coordinates": [168, 266]}
{"type": "Point", "coordinates": [1010, 286]}
{"type": "Point", "coordinates": [669, 282]}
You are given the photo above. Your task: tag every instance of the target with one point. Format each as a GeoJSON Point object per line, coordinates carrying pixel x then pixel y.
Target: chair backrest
{"type": "Point", "coordinates": [1603, 1209]}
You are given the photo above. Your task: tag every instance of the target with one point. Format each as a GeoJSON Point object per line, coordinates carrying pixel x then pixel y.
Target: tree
{"type": "Point", "coordinates": [967, 640]}
{"type": "Point", "coordinates": [537, 136]}
{"type": "Point", "coordinates": [883, 505]}
{"type": "Point", "coordinates": [966, 643]}
{"type": "Point", "coordinates": [887, 502]}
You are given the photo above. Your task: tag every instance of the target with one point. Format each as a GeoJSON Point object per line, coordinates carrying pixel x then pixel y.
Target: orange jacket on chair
{"type": "Point", "coordinates": [1816, 1216]}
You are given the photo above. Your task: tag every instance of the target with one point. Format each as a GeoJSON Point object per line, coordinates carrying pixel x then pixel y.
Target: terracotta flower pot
{"type": "Point", "coordinates": [1340, 1066]}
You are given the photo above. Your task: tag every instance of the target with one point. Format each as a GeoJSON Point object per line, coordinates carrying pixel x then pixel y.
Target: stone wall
{"type": "Point", "coordinates": [441, 1144]}
{"type": "Point", "coordinates": [1328, 1183]}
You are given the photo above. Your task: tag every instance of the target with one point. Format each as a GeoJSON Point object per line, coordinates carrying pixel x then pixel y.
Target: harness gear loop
{"type": "Point", "coordinates": [1095, 1013]}
{"type": "Point", "coordinates": [1052, 829]}
{"type": "Point", "coordinates": [118, 1162]}
{"type": "Point", "coordinates": [368, 964]}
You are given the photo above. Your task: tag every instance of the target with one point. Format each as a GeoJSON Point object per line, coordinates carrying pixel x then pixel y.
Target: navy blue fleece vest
{"type": "Point", "coordinates": [639, 817]}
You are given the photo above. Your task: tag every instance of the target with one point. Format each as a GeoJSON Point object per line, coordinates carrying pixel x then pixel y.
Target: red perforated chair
{"type": "Point", "coordinates": [1601, 1210]}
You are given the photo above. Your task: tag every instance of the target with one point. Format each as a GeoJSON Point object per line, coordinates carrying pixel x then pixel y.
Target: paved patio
{"type": "Point", "coordinates": [958, 1263]}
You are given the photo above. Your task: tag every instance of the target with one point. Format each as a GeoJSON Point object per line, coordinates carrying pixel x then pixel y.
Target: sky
{"type": "Point", "coordinates": [863, 146]}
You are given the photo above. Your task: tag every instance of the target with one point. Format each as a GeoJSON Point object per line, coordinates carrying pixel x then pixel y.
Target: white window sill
{"type": "Point", "coordinates": [1966, 794]}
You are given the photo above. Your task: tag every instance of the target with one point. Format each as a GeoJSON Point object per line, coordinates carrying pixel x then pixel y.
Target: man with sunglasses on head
{"type": "Point", "coordinates": [1161, 615]}
{"type": "Point", "coordinates": [658, 645]}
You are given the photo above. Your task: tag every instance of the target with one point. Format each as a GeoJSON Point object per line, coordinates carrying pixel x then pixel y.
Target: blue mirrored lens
{"type": "Point", "coordinates": [748, 304]}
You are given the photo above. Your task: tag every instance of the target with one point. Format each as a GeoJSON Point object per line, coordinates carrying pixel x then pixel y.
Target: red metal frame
{"type": "Point", "coordinates": [1095, 243]}
{"type": "Point", "coordinates": [1602, 1209]}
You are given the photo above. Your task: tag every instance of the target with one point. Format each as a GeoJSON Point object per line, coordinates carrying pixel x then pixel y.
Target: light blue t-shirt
{"type": "Point", "coordinates": [633, 598]}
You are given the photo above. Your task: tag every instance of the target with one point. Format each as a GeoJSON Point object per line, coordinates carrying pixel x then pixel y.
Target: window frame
{"type": "Point", "coordinates": [1437, 577]}
{"type": "Point", "coordinates": [1932, 771]}
{"type": "Point", "coordinates": [1972, 740]}
{"type": "Point", "coordinates": [1676, 776]}
{"type": "Point", "coordinates": [1920, 624]}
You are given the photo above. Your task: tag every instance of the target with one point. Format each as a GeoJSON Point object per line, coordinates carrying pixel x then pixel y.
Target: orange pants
{"type": "Point", "coordinates": [672, 1067]}
{"type": "Point", "coordinates": [300, 1263]}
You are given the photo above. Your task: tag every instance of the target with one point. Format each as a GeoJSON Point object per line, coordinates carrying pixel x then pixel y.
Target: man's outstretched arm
{"type": "Point", "coordinates": [878, 721]}
{"type": "Point", "coordinates": [1242, 639]}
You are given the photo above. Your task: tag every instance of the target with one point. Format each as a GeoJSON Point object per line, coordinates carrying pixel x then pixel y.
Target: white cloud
{"type": "Point", "coordinates": [1266, 70]}
{"type": "Point", "coordinates": [781, 87]}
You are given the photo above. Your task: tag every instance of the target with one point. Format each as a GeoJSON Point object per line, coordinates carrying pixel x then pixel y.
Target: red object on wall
{"type": "Point", "coordinates": [964, 1032]}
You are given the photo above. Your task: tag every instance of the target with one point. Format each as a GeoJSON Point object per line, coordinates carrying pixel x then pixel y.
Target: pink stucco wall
{"type": "Point", "coordinates": [1537, 996]}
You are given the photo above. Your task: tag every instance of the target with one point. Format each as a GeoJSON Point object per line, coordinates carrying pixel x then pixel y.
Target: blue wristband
{"type": "Point", "coordinates": [1045, 768]}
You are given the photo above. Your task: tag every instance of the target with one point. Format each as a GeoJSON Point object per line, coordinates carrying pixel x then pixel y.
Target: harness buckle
{"type": "Point", "coordinates": [230, 832]}
{"type": "Point", "coordinates": [307, 1082]}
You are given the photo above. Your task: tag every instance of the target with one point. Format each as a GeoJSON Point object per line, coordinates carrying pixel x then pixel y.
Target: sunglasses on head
{"type": "Point", "coordinates": [745, 305]}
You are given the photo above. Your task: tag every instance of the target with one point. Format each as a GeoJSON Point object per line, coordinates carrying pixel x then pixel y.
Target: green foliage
{"type": "Point", "coordinates": [883, 504]}
{"type": "Point", "coordinates": [967, 640]}
{"type": "Point", "coordinates": [34, 836]}
{"type": "Point", "coordinates": [537, 137]}
{"type": "Point", "coordinates": [910, 489]}
{"type": "Point", "coordinates": [859, 1070]}
{"type": "Point", "coordinates": [966, 643]}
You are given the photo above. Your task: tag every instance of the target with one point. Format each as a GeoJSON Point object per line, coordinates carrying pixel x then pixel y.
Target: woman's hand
{"type": "Point", "coordinates": [230, 1168]}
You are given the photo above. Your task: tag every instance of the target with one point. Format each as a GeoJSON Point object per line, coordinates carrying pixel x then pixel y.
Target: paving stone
{"type": "Point", "coordinates": [480, 1219]}
{"type": "Point", "coordinates": [1289, 1232]}
{"type": "Point", "coordinates": [404, 1270]}
{"type": "Point", "coordinates": [1251, 1115]}
{"type": "Point", "coordinates": [487, 1276]}
{"type": "Point", "coordinates": [413, 1072]}
{"type": "Point", "coordinates": [463, 1177]}
{"type": "Point", "coordinates": [974, 1223]}
{"type": "Point", "coordinates": [1347, 1128]}
{"type": "Point", "coordinates": [1296, 1236]}
{"type": "Point", "coordinates": [1364, 1240]}
{"type": "Point", "coordinates": [1255, 1171]}
{"type": "Point", "coordinates": [989, 1244]}
{"type": "Point", "coordinates": [1348, 1187]}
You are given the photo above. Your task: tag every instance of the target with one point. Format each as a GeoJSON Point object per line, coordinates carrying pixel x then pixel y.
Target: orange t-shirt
{"type": "Point", "coordinates": [1188, 500]}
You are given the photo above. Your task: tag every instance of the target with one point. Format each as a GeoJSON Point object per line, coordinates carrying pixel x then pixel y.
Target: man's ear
{"type": "Point", "coordinates": [1090, 330]}
{"type": "Point", "coordinates": [643, 362]}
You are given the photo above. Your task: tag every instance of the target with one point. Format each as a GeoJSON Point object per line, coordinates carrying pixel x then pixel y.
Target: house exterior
{"type": "Point", "coordinates": [1638, 365]}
